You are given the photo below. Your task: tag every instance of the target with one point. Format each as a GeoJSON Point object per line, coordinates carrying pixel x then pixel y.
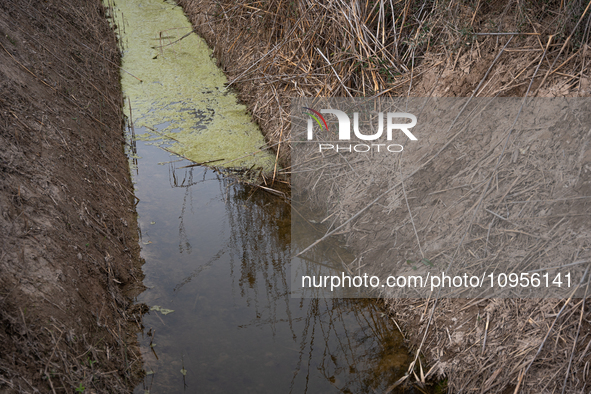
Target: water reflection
{"type": "Point", "coordinates": [217, 254]}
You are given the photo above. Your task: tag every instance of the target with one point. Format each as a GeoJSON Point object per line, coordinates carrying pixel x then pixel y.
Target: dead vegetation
{"type": "Point", "coordinates": [69, 259]}
{"type": "Point", "coordinates": [274, 50]}
{"type": "Point", "coordinates": [486, 194]}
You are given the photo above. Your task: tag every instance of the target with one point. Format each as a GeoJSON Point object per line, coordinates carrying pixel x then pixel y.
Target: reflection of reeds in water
{"type": "Point", "coordinates": [361, 352]}
{"type": "Point", "coordinates": [352, 346]}
{"type": "Point", "coordinates": [186, 183]}
{"type": "Point", "coordinates": [345, 342]}
{"type": "Point", "coordinates": [260, 237]}
{"type": "Point", "coordinates": [348, 342]}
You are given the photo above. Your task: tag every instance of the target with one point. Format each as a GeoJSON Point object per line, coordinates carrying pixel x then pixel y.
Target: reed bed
{"type": "Point", "coordinates": [276, 50]}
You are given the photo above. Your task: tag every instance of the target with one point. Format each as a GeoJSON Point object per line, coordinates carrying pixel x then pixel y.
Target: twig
{"type": "Point", "coordinates": [507, 34]}
{"type": "Point", "coordinates": [485, 331]}
{"type": "Point", "coordinates": [200, 164]}
{"type": "Point", "coordinates": [410, 214]}
{"type": "Point", "coordinates": [335, 72]}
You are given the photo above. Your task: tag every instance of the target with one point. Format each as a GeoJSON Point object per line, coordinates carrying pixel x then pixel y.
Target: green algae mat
{"type": "Point", "coordinates": [177, 93]}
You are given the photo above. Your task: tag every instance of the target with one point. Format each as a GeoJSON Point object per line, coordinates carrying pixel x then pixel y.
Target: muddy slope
{"type": "Point", "coordinates": [68, 236]}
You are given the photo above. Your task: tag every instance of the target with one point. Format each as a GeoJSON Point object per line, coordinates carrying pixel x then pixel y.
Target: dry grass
{"type": "Point", "coordinates": [443, 204]}
{"type": "Point", "coordinates": [274, 50]}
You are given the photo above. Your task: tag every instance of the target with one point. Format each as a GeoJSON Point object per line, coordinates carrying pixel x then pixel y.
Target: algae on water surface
{"type": "Point", "coordinates": [181, 99]}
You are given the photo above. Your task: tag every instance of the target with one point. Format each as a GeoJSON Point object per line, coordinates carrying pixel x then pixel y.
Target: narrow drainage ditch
{"type": "Point", "coordinates": [217, 252]}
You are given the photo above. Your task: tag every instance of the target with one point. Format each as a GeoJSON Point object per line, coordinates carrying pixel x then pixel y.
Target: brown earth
{"type": "Point", "coordinates": [69, 254]}
{"type": "Point", "coordinates": [275, 50]}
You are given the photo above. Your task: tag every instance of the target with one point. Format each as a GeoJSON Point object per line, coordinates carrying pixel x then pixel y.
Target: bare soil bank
{"type": "Point", "coordinates": [275, 50]}
{"type": "Point", "coordinates": [69, 256]}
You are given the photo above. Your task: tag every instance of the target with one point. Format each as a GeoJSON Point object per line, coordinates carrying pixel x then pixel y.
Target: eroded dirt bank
{"type": "Point", "coordinates": [69, 258]}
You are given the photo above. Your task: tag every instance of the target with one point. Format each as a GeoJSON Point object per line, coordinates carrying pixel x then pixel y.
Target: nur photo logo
{"type": "Point", "coordinates": [391, 119]}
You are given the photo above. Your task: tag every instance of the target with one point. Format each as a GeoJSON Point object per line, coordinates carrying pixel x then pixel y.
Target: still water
{"type": "Point", "coordinates": [217, 253]}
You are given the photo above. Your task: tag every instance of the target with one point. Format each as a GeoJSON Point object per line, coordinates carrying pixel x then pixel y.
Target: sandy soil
{"type": "Point", "coordinates": [69, 257]}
